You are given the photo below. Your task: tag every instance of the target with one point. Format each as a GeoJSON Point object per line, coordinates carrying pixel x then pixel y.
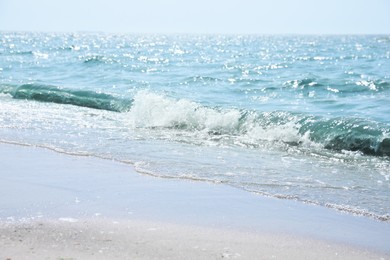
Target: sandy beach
{"type": "Point", "coordinates": [58, 206]}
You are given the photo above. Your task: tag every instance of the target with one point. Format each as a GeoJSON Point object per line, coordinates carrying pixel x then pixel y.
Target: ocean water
{"type": "Point", "coordinates": [294, 117]}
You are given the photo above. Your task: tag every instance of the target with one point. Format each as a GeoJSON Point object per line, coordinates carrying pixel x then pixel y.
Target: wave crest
{"type": "Point", "coordinates": [156, 111]}
{"type": "Point", "coordinates": [252, 128]}
{"type": "Point", "coordinates": [185, 120]}
{"type": "Point", "coordinates": [54, 94]}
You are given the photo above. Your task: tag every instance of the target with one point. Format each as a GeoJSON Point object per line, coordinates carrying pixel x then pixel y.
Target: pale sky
{"type": "Point", "coordinates": [198, 16]}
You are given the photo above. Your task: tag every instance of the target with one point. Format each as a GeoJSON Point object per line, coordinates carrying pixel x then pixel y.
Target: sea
{"type": "Point", "coordinates": [296, 117]}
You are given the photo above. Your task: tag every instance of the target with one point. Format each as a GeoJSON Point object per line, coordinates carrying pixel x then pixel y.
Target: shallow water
{"type": "Point", "coordinates": [298, 117]}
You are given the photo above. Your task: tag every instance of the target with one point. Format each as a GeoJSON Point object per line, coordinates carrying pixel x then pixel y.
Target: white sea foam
{"type": "Point", "coordinates": [152, 110]}
{"type": "Point", "coordinates": [156, 111]}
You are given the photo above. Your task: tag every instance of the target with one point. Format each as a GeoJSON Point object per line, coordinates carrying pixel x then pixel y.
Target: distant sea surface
{"type": "Point", "coordinates": [294, 117]}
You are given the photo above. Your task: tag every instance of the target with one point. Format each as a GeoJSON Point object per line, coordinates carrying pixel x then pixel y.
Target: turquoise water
{"type": "Point", "coordinates": [294, 117]}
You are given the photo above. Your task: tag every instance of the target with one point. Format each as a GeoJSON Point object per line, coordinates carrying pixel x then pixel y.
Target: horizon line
{"type": "Point", "coordinates": [195, 33]}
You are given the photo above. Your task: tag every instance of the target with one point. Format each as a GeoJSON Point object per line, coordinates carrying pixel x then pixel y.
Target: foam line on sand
{"type": "Point", "coordinates": [56, 206]}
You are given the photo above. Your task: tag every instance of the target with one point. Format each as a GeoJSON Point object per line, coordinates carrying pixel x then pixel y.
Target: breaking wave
{"type": "Point", "coordinates": [181, 118]}
{"type": "Point", "coordinates": [250, 128]}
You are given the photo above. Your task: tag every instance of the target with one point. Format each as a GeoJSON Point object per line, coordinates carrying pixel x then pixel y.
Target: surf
{"type": "Point", "coordinates": [251, 128]}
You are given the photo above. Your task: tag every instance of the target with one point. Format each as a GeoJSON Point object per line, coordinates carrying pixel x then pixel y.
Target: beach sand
{"type": "Point", "coordinates": [57, 206]}
{"type": "Point", "coordinates": [131, 239]}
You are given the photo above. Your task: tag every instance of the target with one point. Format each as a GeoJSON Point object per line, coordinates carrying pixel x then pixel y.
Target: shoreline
{"type": "Point", "coordinates": [44, 192]}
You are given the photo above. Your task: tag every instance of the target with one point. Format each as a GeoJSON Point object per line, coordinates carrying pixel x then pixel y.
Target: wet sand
{"type": "Point", "coordinates": [57, 206]}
